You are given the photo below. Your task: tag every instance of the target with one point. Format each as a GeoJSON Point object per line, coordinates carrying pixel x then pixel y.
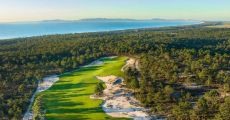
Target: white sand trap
{"type": "Point", "coordinates": [111, 57]}
{"type": "Point", "coordinates": [94, 63]}
{"type": "Point", "coordinates": [118, 100]}
{"type": "Point", "coordinates": [98, 62]}
{"type": "Point", "coordinates": [43, 85]}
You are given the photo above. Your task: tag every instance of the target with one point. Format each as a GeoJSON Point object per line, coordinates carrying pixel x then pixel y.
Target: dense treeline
{"type": "Point", "coordinates": [172, 77]}
{"type": "Point", "coordinates": [28, 62]}
{"type": "Point", "coordinates": [169, 58]}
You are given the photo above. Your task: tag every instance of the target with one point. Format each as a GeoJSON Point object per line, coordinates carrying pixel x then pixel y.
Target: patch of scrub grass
{"type": "Point", "coordinates": [69, 98]}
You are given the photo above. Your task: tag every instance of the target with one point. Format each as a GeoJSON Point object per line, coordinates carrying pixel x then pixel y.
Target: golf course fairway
{"type": "Point", "coordinates": [69, 98]}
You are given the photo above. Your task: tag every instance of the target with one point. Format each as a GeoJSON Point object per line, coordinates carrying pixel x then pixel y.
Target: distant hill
{"type": "Point", "coordinates": [116, 20]}
{"type": "Point", "coordinates": [104, 20]}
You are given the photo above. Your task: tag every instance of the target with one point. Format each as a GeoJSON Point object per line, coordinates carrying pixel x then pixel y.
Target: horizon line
{"type": "Point", "coordinates": [114, 19]}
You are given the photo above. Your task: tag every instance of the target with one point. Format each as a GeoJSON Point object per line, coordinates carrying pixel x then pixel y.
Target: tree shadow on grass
{"type": "Point", "coordinates": [62, 96]}
{"type": "Point", "coordinates": [64, 103]}
{"type": "Point", "coordinates": [82, 114]}
{"type": "Point", "coordinates": [62, 87]}
{"type": "Point", "coordinates": [68, 117]}
{"type": "Point", "coordinates": [90, 68]}
{"type": "Point", "coordinates": [81, 71]}
{"type": "Point", "coordinates": [60, 110]}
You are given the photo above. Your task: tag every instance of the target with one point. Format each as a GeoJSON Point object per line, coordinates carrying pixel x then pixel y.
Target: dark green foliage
{"type": "Point", "coordinates": [201, 109]}
{"type": "Point", "coordinates": [168, 58]}
{"type": "Point", "coordinates": [131, 78]}
{"type": "Point", "coordinates": [224, 110]}
{"type": "Point", "coordinates": [182, 111]}
{"type": "Point", "coordinates": [99, 89]}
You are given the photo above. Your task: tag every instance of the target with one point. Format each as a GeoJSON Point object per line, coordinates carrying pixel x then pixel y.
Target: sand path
{"type": "Point", "coordinates": [43, 85]}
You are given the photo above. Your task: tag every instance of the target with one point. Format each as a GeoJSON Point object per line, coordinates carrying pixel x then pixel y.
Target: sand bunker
{"type": "Point", "coordinates": [98, 62]}
{"type": "Point", "coordinates": [43, 85]}
{"type": "Point", "coordinates": [94, 63]}
{"type": "Point", "coordinates": [118, 100]}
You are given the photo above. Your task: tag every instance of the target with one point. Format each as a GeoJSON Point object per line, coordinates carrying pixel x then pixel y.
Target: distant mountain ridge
{"type": "Point", "coordinates": [103, 20]}
{"type": "Point", "coordinates": [117, 19]}
{"type": "Point", "coordinates": [155, 19]}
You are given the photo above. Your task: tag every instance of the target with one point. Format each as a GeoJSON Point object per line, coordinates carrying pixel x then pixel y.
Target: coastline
{"type": "Point", "coordinates": [115, 28]}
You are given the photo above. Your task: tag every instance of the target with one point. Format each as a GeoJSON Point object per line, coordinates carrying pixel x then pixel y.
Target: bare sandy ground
{"type": "Point", "coordinates": [131, 62]}
{"type": "Point", "coordinates": [220, 26]}
{"type": "Point", "coordinates": [119, 101]}
{"type": "Point", "coordinates": [223, 95]}
{"type": "Point", "coordinates": [45, 84]}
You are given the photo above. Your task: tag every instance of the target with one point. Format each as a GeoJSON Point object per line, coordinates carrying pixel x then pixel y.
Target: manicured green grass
{"type": "Point", "coordinates": [68, 99]}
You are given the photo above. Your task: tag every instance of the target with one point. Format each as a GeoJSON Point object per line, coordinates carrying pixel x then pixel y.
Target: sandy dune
{"type": "Point", "coordinates": [118, 101]}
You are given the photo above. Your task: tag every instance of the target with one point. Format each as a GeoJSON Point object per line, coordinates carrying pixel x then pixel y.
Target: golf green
{"type": "Point", "coordinates": [69, 98]}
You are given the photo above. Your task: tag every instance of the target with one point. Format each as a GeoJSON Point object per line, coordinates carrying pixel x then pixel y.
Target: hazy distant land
{"type": "Point", "coordinates": [49, 27]}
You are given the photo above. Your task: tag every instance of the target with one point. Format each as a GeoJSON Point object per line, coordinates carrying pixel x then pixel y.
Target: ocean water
{"type": "Point", "coordinates": [16, 30]}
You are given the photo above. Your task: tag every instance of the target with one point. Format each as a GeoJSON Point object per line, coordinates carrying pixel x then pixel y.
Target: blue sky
{"type": "Point", "coordinates": [31, 10]}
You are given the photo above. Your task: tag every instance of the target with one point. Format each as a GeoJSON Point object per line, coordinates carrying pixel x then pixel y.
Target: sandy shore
{"type": "Point", "coordinates": [43, 85]}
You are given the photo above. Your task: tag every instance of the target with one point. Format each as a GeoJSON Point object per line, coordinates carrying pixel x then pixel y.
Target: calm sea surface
{"type": "Point", "coordinates": [15, 30]}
